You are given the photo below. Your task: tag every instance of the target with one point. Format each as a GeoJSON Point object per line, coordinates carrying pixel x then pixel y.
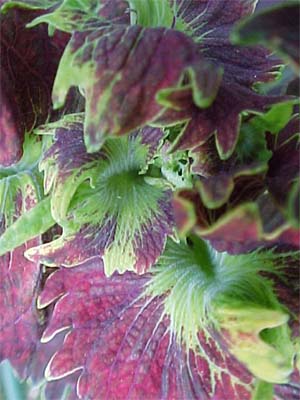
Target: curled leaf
{"type": "Point", "coordinates": [276, 28]}
{"type": "Point", "coordinates": [124, 348]}
{"type": "Point", "coordinates": [124, 73]}
{"type": "Point", "coordinates": [105, 206]}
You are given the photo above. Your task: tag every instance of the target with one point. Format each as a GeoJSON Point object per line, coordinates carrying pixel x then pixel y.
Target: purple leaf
{"type": "Point", "coordinates": [282, 177]}
{"type": "Point", "coordinates": [235, 227]}
{"type": "Point", "coordinates": [93, 198]}
{"type": "Point", "coordinates": [120, 343]}
{"type": "Point", "coordinates": [128, 74]}
{"type": "Point", "coordinates": [29, 59]}
{"type": "Point", "coordinates": [276, 28]}
{"type": "Point", "coordinates": [21, 324]}
{"type": "Point", "coordinates": [211, 22]}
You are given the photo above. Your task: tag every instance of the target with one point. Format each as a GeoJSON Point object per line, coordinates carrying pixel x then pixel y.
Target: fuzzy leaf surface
{"type": "Point", "coordinates": [105, 206]}
{"type": "Point", "coordinates": [120, 342]}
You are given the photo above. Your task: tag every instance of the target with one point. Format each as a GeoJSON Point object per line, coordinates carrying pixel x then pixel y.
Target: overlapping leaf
{"type": "Point", "coordinates": [106, 208]}
{"type": "Point", "coordinates": [251, 198]}
{"type": "Point", "coordinates": [126, 74]}
{"type": "Point", "coordinates": [120, 342]}
{"type": "Point", "coordinates": [276, 28]}
{"type": "Point", "coordinates": [211, 22]}
{"type": "Point", "coordinates": [283, 175]}
{"type": "Point", "coordinates": [235, 227]}
{"type": "Point", "coordinates": [64, 389]}
{"type": "Point", "coordinates": [29, 60]}
{"type": "Point", "coordinates": [21, 323]}
{"type": "Point", "coordinates": [20, 327]}
{"type": "Point", "coordinates": [123, 337]}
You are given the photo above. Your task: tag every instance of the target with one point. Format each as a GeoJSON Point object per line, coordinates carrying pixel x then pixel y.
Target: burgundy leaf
{"type": "Point", "coordinates": [211, 22]}
{"type": "Point", "coordinates": [29, 59]}
{"type": "Point", "coordinates": [276, 28]}
{"type": "Point", "coordinates": [222, 118]}
{"type": "Point", "coordinates": [43, 353]}
{"type": "Point", "coordinates": [21, 323]}
{"type": "Point", "coordinates": [236, 227]}
{"type": "Point", "coordinates": [120, 342]}
{"type": "Point", "coordinates": [93, 198]}
{"type": "Point", "coordinates": [116, 11]}
{"type": "Point", "coordinates": [128, 75]}
{"type": "Point", "coordinates": [284, 169]}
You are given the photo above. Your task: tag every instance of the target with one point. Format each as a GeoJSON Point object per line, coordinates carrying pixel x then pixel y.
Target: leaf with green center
{"type": "Point", "coordinates": [124, 73]}
{"type": "Point", "coordinates": [124, 346]}
{"type": "Point", "coordinates": [132, 333]}
{"type": "Point", "coordinates": [153, 13]}
{"type": "Point", "coordinates": [207, 289]}
{"type": "Point", "coordinates": [105, 206]}
{"type": "Point", "coordinates": [276, 28]}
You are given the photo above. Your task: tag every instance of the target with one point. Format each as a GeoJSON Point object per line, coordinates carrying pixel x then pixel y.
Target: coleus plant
{"type": "Point", "coordinates": [149, 197]}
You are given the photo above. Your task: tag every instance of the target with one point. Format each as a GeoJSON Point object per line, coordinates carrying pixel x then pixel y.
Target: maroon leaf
{"type": "Point", "coordinates": [116, 11]}
{"type": "Point", "coordinates": [284, 170]}
{"type": "Point", "coordinates": [21, 323]}
{"type": "Point", "coordinates": [222, 119]}
{"type": "Point", "coordinates": [211, 22]}
{"type": "Point", "coordinates": [120, 342]}
{"type": "Point", "coordinates": [29, 59]}
{"type": "Point", "coordinates": [128, 75]}
{"type": "Point", "coordinates": [56, 389]}
{"type": "Point", "coordinates": [99, 221]}
{"type": "Point", "coordinates": [236, 227]}
{"type": "Point", "coordinates": [276, 28]}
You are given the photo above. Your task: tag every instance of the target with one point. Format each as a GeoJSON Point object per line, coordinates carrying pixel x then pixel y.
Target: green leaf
{"type": "Point", "coordinates": [276, 118]}
{"type": "Point", "coordinates": [211, 290]}
{"type": "Point", "coordinates": [71, 15]}
{"type": "Point", "coordinates": [263, 391]}
{"type": "Point", "coordinates": [252, 145]}
{"type": "Point", "coordinates": [10, 387]}
{"type": "Point", "coordinates": [29, 4]}
{"type": "Point", "coordinates": [30, 224]}
{"type": "Point", "coordinates": [293, 204]}
{"type": "Point", "coordinates": [153, 13]}
{"type": "Point", "coordinates": [21, 183]}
